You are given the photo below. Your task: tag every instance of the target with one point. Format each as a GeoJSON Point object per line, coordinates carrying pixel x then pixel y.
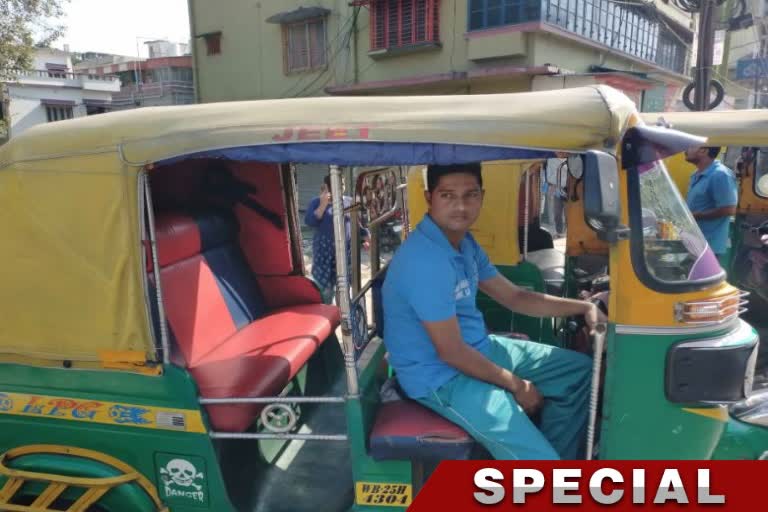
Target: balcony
{"type": "Point", "coordinates": [130, 95]}
{"type": "Point", "coordinates": [48, 78]}
{"type": "Point", "coordinates": [636, 31]}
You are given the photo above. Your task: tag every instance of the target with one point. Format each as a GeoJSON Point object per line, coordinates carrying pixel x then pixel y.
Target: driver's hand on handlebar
{"type": "Point", "coordinates": [593, 317]}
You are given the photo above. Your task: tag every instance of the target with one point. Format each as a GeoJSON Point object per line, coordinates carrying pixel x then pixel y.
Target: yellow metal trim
{"type": "Point", "coordinates": [93, 411]}
{"type": "Point", "coordinates": [42, 362]}
{"type": "Point", "coordinates": [90, 497]}
{"type": "Point", "coordinates": [129, 360]}
{"type": "Point", "coordinates": [49, 495]}
{"type": "Point", "coordinates": [716, 413]}
{"type": "Point", "coordinates": [9, 489]}
{"type": "Point", "coordinates": [95, 487]}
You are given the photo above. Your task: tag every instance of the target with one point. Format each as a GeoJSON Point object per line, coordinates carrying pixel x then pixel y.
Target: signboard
{"type": "Point", "coordinates": [719, 48]}
{"type": "Point", "coordinates": [751, 68]}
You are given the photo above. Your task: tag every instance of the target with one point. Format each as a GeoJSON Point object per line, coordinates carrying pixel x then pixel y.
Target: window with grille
{"type": "Point", "coordinates": [496, 13]}
{"type": "Point", "coordinates": [58, 113]}
{"type": "Point", "coordinates": [304, 45]}
{"type": "Point", "coordinates": [402, 23]}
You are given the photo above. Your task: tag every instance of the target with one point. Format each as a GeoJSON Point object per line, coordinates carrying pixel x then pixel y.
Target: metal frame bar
{"type": "Point", "coordinates": [164, 339]}
{"type": "Point", "coordinates": [526, 211]}
{"type": "Point", "coordinates": [342, 281]}
{"type": "Point", "coordinates": [367, 286]}
{"type": "Point", "coordinates": [275, 399]}
{"type": "Point", "coordinates": [594, 395]}
{"type": "Point", "coordinates": [290, 437]}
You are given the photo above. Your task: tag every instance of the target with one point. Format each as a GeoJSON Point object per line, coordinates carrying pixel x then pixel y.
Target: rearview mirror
{"type": "Point", "coordinates": [602, 207]}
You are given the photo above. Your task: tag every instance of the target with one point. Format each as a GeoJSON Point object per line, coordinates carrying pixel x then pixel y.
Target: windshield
{"type": "Point", "coordinates": [674, 248]}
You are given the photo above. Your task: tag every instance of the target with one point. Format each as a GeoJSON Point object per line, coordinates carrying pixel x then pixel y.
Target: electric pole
{"type": "Point", "coordinates": [703, 82]}
{"type": "Point", "coordinates": [705, 51]}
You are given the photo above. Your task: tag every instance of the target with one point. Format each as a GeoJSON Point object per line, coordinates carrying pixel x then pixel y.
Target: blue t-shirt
{"type": "Point", "coordinates": [714, 187]}
{"type": "Point", "coordinates": [428, 280]}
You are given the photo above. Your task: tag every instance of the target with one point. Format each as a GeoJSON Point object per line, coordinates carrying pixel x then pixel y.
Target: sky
{"type": "Point", "coordinates": [113, 26]}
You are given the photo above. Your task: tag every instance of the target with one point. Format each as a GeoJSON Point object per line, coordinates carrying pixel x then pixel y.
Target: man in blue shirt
{"type": "Point", "coordinates": [440, 349]}
{"type": "Point", "coordinates": [712, 198]}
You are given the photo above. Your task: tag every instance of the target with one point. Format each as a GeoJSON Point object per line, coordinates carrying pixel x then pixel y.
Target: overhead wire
{"type": "Point", "coordinates": [329, 66]}
{"type": "Point", "coordinates": [341, 32]}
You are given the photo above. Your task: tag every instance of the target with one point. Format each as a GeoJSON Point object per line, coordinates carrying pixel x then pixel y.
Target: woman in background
{"type": "Point", "coordinates": [320, 216]}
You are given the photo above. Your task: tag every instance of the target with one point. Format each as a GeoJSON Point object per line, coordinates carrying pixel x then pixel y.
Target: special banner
{"type": "Point", "coordinates": [468, 486]}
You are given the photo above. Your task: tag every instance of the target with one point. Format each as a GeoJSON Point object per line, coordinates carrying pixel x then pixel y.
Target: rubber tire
{"type": "Point", "coordinates": [719, 94]}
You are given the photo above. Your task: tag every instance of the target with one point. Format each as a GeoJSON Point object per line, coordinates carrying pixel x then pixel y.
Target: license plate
{"type": "Point", "coordinates": [383, 494]}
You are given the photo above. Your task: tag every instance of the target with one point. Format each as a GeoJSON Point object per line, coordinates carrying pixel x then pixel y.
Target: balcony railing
{"type": "Point", "coordinates": [151, 90]}
{"type": "Point", "coordinates": [635, 30]}
{"type": "Point", "coordinates": [62, 75]}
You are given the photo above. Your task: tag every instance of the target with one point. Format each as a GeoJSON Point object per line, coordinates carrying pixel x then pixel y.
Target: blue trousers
{"type": "Point", "coordinates": [492, 416]}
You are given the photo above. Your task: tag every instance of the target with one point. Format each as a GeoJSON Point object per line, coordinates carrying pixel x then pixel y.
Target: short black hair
{"type": "Point", "coordinates": [435, 172]}
{"type": "Point", "coordinates": [712, 151]}
{"type": "Point", "coordinates": [327, 181]}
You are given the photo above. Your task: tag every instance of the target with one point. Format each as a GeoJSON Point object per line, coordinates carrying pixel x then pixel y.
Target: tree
{"type": "Point", "coordinates": [25, 25]}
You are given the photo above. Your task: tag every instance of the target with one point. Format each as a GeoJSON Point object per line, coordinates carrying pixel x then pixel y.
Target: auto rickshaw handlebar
{"type": "Point", "coordinates": [761, 228]}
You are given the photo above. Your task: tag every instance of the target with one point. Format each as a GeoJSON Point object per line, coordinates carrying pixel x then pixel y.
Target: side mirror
{"type": "Point", "coordinates": [602, 207]}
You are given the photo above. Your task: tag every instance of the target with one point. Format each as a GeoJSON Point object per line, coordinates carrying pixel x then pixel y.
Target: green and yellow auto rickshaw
{"type": "Point", "coordinates": [161, 347]}
{"type": "Point", "coordinates": [742, 136]}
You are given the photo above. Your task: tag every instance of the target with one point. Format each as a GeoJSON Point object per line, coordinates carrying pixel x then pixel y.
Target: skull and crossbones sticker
{"type": "Point", "coordinates": [181, 475]}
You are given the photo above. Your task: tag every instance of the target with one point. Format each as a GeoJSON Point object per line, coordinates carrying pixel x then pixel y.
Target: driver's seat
{"type": "Point", "coordinates": [551, 263]}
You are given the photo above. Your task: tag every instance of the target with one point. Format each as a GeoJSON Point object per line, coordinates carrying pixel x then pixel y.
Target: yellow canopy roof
{"type": "Point", "coordinates": [722, 127]}
{"type": "Point", "coordinates": [71, 266]}
{"type": "Point", "coordinates": [569, 119]}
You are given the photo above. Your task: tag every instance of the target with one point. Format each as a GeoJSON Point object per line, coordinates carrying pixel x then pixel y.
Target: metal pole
{"type": "Point", "coordinates": [354, 242]}
{"type": "Point", "coordinates": [594, 397]}
{"type": "Point", "coordinates": [725, 15]}
{"type": "Point", "coordinates": [287, 437]}
{"type": "Point", "coordinates": [526, 213]}
{"type": "Point", "coordinates": [758, 72]}
{"type": "Point", "coordinates": [138, 72]}
{"type": "Point", "coordinates": [704, 64]}
{"type": "Point", "coordinates": [274, 400]}
{"type": "Point", "coordinates": [342, 281]}
{"type": "Point", "coordinates": [165, 342]}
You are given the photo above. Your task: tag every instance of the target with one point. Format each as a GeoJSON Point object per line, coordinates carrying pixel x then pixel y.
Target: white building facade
{"type": "Point", "coordinates": [52, 92]}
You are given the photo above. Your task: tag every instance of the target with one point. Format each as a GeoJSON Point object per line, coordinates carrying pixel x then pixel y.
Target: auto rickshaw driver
{"type": "Point", "coordinates": [438, 341]}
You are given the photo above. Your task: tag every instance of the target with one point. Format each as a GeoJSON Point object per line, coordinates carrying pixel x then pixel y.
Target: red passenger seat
{"type": "Point", "coordinates": [224, 328]}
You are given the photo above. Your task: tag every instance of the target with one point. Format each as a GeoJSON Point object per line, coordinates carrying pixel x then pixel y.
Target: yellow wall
{"type": "Point", "coordinates": [250, 65]}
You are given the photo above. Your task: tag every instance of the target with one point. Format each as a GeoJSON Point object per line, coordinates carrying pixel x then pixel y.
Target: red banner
{"type": "Point", "coordinates": [596, 485]}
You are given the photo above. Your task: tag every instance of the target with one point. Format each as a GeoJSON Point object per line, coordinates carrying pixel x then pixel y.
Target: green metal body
{"type": "Point", "coordinates": [148, 451]}
{"type": "Point", "coordinates": [638, 422]}
{"type": "Point", "coordinates": [135, 446]}
{"type": "Point", "coordinates": [742, 441]}
{"type": "Point", "coordinates": [360, 416]}
{"type": "Point", "coordinates": [500, 319]}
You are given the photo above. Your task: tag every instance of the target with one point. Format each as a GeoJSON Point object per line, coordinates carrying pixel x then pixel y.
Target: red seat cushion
{"type": "Point", "coordinates": [405, 430]}
{"type": "Point", "coordinates": [260, 360]}
{"type": "Point", "coordinates": [233, 344]}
